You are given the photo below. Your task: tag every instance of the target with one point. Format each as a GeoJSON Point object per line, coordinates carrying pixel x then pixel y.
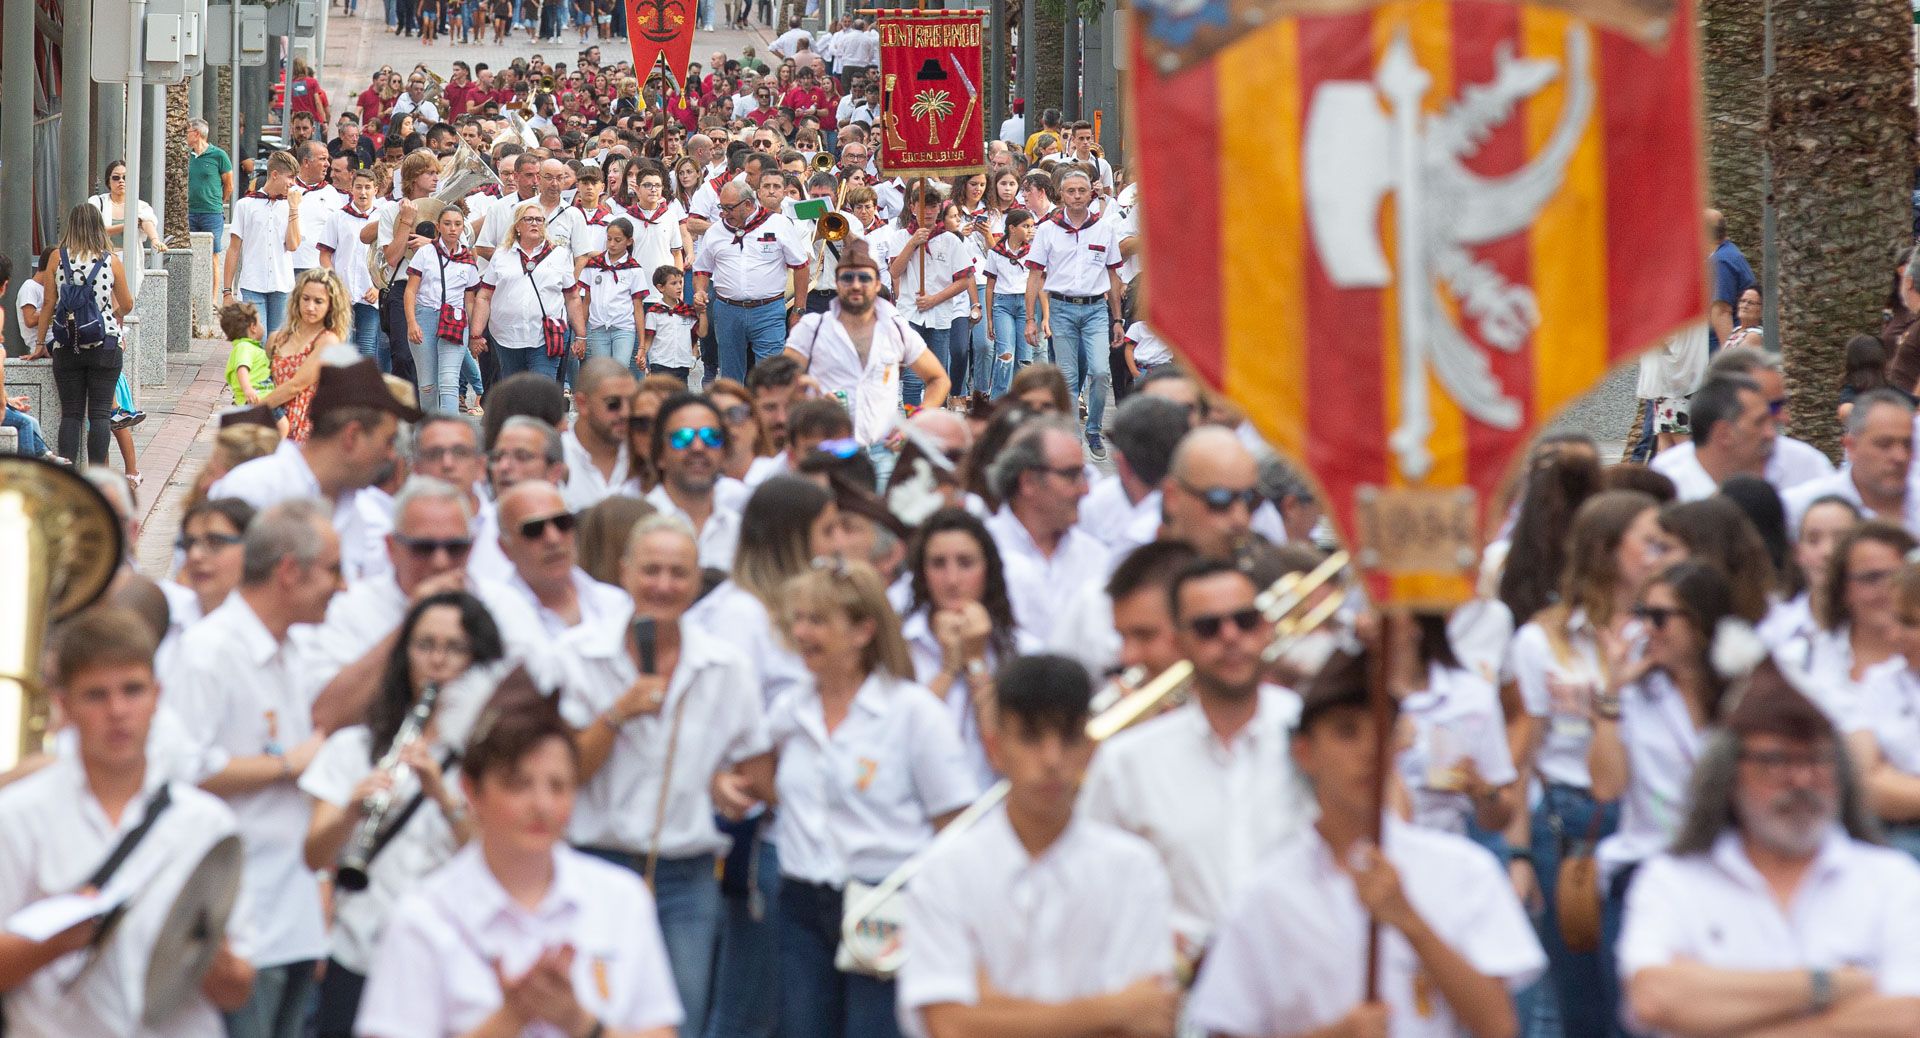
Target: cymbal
{"type": "Point", "coordinates": [195, 926]}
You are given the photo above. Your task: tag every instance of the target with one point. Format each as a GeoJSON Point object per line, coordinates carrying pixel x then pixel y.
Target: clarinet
{"type": "Point", "coordinates": [352, 874]}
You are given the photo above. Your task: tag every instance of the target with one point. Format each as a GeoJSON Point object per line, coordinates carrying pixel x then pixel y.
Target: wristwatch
{"type": "Point", "coordinates": [1820, 995]}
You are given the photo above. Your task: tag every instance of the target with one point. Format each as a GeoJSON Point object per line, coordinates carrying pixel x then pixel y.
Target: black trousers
{"type": "Point", "coordinates": [85, 380]}
{"type": "Point", "coordinates": [393, 316]}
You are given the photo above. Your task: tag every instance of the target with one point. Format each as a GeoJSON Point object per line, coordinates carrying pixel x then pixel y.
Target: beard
{"type": "Point", "coordinates": [1791, 823]}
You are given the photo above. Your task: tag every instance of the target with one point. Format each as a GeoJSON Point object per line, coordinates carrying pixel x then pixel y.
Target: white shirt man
{"type": "Point", "coordinates": [318, 205]}
{"type": "Point", "coordinates": [788, 42]}
{"type": "Point", "coordinates": [527, 625]}
{"type": "Point", "coordinates": [1792, 463]}
{"type": "Point", "coordinates": [285, 474]}
{"type": "Point", "coordinates": [422, 109]}
{"type": "Point", "coordinates": [341, 239]}
{"type": "Point", "coordinates": [266, 264]}
{"type": "Point", "coordinates": [869, 387]}
{"type": "Point", "coordinates": [754, 262]}
{"type": "Point", "coordinates": [718, 537]}
{"type": "Point", "coordinates": [586, 485]}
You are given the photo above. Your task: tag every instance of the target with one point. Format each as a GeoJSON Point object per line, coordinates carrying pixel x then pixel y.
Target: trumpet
{"type": "Point", "coordinates": [546, 84]}
{"type": "Point", "coordinates": [832, 227]}
{"type": "Point", "coordinates": [352, 875]}
{"type": "Point", "coordinates": [869, 930]}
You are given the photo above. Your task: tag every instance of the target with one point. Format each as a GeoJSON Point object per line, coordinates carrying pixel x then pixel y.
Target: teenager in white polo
{"type": "Point", "coordinates": [1074, 294]}
{"type": "Point", "coordinates": [262, 240]}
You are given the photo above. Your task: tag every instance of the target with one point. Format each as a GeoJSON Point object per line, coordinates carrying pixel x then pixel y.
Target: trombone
{"type": "Point", "coordinates": [832, 226]}
{"type": "Point", "coordinates": [1293, 605]}
{"type": "Point", "coordinates": [824, 162]}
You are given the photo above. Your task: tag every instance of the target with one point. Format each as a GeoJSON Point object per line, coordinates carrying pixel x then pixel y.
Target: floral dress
{"type": "Point", "coordinates": [285, 364]}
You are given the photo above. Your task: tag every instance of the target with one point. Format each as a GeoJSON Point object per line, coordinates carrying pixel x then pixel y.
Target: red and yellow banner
{"type": "Point", "coordinates": [1403, 235]}
{"type": "Point", "coordinates": [933, 111]}
{"type": "Point", "coordinates": [660, 29]}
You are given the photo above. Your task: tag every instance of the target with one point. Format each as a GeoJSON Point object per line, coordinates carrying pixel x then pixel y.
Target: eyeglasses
{"type": "Point", "coordinates": [1655, 617]}
{"type": "Point", "coordinates": [211, 541]}
{"type": "Point", "coordinates": [438, 455]}
{"type": "Point", "coordinates": [1777, 764]}
{"type": "Point", "coordinates": [615, 403]}
{"type": "Point", "coordinates": [1219, 499]}
{"type": "Point", "coordinates": [1072, 473]}
{"type": "Point", "coordinates": [1210, 627]}
{"type": "Point", "coordinates": [536, 528]}
{"type": "Point", "coordinates": [682, 439]}
{"type": "Point", "coordinates": [521, 457]}
{"type": "Point", "coordinates": [427, 547]}
{"type": "Point", "coordinates": [435, 647]}
{"type": "Point", "coordinates": [1871, 577]}
{"type": "Point", "coordinates": [734, 414]}
{"type": "Point", "coordinates": [855, 277]}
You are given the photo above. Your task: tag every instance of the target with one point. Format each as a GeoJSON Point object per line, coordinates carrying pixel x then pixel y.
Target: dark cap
{"type": "Point", "coordinates": [258, 414]}
{"type": "Point", "coordinates": [358, 384]}
{"type": "Point", "coordinates": [856, 254]}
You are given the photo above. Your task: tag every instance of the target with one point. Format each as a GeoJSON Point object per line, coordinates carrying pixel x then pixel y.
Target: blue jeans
{"type": "Point", "coordinates": [746, 986]}
{"type": "Point", "coordinates": [979, 356]}
{"type": "Point", "coordinates": [367, 335]}
{"type": "Point", "coordinates": [513, 361]}
{"type": "Point", "coordinates": [688, 902]}
{"type": "Point", "coordinates": [1561, 821]}
{"type": "Point", "coordinates": [736, 329]}
{"type": "Point", "coordinates": [1009, 326]}
{"type": "Point", "coordinates": [272, 307]}
{"type": "Point", "coordinates": [436, 363]}
{"type": "Point", "coordinates": [940, 343]}
{"type": "Point", "coordinates": [1082, 335]}
{"type": "Point", "coordinates": [470, 376]}
{"type": "Point", "coordinates": [619, 343]}
{"type": "Point", "coordinates": [816, 1000]}
{"type": "Point", "coordinates": [281, 1002]}
{"type": "Point", "coordinates": [27, 428]}
{"type": "Point", "coordinates": [214, 222]}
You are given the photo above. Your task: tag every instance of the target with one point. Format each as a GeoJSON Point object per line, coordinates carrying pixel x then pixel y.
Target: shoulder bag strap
{"type": "Point", "coordinates": [666, 783]}
{"type": "Point", "coordinates": [380, 842]}
{"type": "Point", "coordinates": [124, 849]}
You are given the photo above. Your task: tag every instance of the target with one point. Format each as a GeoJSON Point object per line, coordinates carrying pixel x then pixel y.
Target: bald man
{"type": "Point", "coordinates": [596, 445]}
{"type": "Point", "coordinates": [743, 267]}
{"type": "Point", "coordinates": [548, 594]}
{"type": "Point", "coordinates": [1210, 492]}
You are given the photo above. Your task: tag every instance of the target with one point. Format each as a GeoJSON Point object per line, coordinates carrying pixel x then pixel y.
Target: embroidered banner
{"type": "Point", "coordinates": [933, 114]}
{"type": "Point", "coordinates": [660, 29]}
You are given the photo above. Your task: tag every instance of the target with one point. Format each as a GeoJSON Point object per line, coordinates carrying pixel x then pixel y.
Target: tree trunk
{"type": "Point", "coordinates": [1732, 34]}
{"type": "Point", "coordinates": [1841, 134]}
{"type": "Point", "coordinates": [1048, 54]}
{"type": "Point", "coordinates": [178, 105]}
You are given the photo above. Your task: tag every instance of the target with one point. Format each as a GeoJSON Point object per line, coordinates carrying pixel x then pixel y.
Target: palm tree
{"type": "Point", "coordinates": [1048, 56]}
{"type": "Point", "coordinates": [1733, 66]}
{"type": "Point", "coordinates": [1840, 130]}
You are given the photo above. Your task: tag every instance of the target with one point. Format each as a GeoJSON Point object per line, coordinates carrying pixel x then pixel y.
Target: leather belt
{"type": "Point", "coordinates": [748, 304]}
{"type": "Point", "coordinates": [1078, 300]}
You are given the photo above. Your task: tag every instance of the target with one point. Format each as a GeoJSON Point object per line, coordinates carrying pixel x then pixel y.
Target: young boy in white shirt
{"type": "Point", "coordinates": [1004, 933]}
{"type": "Point", "coordinates": [672, 327]}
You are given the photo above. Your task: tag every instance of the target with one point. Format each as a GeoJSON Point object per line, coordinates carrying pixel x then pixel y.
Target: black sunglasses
{"type": "Point", "coordinates": [640, 423]}
{"type": "Point", "coordinates": [1655, 616]}
{"type": "Point", "coordinates": [1219, 499]}
{"type": "Point", "coordinates": [1209, 627]}
{"type": "Point", "coordinates": [534, 529]}
{"type": "Point", "coordinates": [209, 541]}
{"type": "Point", "coordinates": [428, 547]}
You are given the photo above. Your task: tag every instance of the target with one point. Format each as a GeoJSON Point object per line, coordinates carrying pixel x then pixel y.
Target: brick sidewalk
{"type": "Point", "coordinates": [173, 443]}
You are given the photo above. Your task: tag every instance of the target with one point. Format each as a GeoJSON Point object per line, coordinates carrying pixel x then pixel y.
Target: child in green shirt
{"type": "Point", "coordinates": [249, 373]}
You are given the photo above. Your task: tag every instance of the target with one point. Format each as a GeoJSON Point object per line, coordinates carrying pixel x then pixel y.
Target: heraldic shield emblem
{"type": "Point", "coordinates": [1401, 236]}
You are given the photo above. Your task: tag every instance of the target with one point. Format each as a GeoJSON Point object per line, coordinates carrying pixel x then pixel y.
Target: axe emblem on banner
{"type": "Point", "coordinates": [1356, 154]}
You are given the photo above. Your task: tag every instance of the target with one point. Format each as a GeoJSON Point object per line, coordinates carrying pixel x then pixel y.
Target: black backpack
{"type": "Point", "coordinates": [78, 323]}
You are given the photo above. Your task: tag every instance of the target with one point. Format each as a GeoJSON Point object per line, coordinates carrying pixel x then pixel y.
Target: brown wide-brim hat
{"type": "Point", "coordinates": [359, 384]}
{"type": "Point", "coordinates": [258, 414]}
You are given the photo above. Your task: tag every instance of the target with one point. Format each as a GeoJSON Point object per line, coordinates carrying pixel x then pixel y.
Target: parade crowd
{"type": "Point", "coordinates": [609, 571]}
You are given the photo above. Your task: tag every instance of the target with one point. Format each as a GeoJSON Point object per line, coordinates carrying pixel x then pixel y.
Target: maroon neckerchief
{"type": "Point", "coordinates": [355, 213]}
{"type": "Point", "coordinates": [653, 219]}
{"type": "Point", "coordinates": [759, 217]}
{"type": "Point", "coordinates": [304, 186]}
{"type": "Point", "coordinates": [627, 262]}
{"type": "Point", "coordinates": [526, 267]}
{"type": "Point", "coordinates": [683, 309]}
{"type": "Point", "coordinates": [1059, 216]}
{"type": "Point", "coordinates": [463, 256]}
{"type": "Point", "coordinates": [1016, 257]}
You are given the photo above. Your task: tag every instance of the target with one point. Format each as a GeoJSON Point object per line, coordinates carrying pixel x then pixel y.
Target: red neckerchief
{"type": "Point", "coordinates": [1059, 216]}
{"type": "Point", "coordinates": [759, 217]}
{"type": "Point", "coordinates": [718, 182]}
{"type": "Point", "coordinates": [683, 309]}
{"type": "Point", "coordinates": [355, 213]}
{"type": "Point", "coordinates": [528, 268]}
{"type": "Point", "coordinates": [600, 216]}
{"type": "Point", "coordinates": [650, 220]}
{"type": "Point", "coordinates": [874, 226]}
{"type": "Point", "coordinates": [490, 191]}
{"type": "Point", "coordinates": [268, 197]}
{"type": "Point", "coordinates": [304, 186]}
{"type": "Point", "coordinates": [1014, 256]}
{"type": "Point", "coordinates": [463, 256]}
{"type": "Point", "coordinates": [627, 262]}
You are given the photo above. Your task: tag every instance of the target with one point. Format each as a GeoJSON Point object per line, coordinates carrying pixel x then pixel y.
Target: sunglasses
{"type": "Point", "coordinates": [427, 547]}
{"type": "Point", "coordinates": [1655, 617]}
{"type": "Point", "coordinates": [209, 541]}
{"type": "Point", "coordinates": [734, 414]}
{"type": "Point", "coordinates": [615, 403]}
{"type": "Point", "coordinates": [1209, 627]}
{"type": "Point", "coordinates": [1219, 499]}
{"type": "Point", "coordinates": [843, 448]}
{"type": "Point", "coordinates": [441, 455]}
{"type": "Point", "coordinates": [682, 439]}
{"type": "Point", "coordinates": [534, 529]}
{"type": "Point", "coordinates": [855, 277]}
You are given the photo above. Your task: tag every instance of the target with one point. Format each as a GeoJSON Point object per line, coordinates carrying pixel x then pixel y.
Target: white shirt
{"type": "Point", "coordinates": [1826, 657]}
{"type": "Point", "coordinates": [564, 227]}
{"type": "Point", "coordinates": [243, 694]}
{"type": "Point", "coordinates": [260, 228]}
{"type": "Point", "coordinates": [53, 836]}
{"type": "Point", "coordinates": [423, 110]}
{"type": "Point", "coordinates": [357, 619]}
{"type": "Point", "coordinates": [341, 237]}
{"type": "Point", "coordinates": [1257, 981]}
{"type": "Point", "coordinates": [717, 538]}
{"type": "Point", "coordinates": [924, 648]}
{"type": "Point", "coordinates": [1107, 514]}
{"type": "Point", "coordinates": [442, 276]}
{"type": "Point", "coordinates": [1560, 690]}
{"type": "Point", "coordinates": [788, 42]}
{"type": "Point", "coordinates": [1148, 349]}
{"type": "Point", "coordinates": [487, 561]}
{"type": "Point", "coordinates": [1014, 130]}
{"type": "Point", "coordinates": [1084, 631]}
{"type": "Point", "coordinates": [612, 288]}
{"type": "Point", "coordinates": [1841, 485]}
{"type": "Point", "coordinates": [1851, 909]}
{"type": "Point", "coordinates": [752, 262]}
{"type": "Point", "coordinates": [433, 974]}
{"type": "Point", "coordinates": [528, 626]}
{"type": "Point", "coordinates": [1075, 259]}
{"type": "Point", "coordinates": [1038, 584]}
{"type": "Point", "coordinates": [32, 293]}
{"type": "Point", "coordinates": [1036, 927]}
{"type": "Point", "coordinates": [1662, 747]}
{"type": "Point", "coordinates": [711, 700]}
{"type": "Point", "coordinates": [1455, 718]}
{"type": "Point", "coordinates": [1214, 812]}
{"type": "Point", "coordinates": [527, 289]}
{"type": "Point", "coordinates": [423, 845]}
{"type": "Point", "coordinates": [945, 259]}
{"type": "Point", "coordinates": [1792, 463]}
{"type": "Point", "coordinates": [285, 475]}
{"type": "Point", "coordinates": [730, 612]}
{"type": "Point", "coordinates": [857, 803]}
{"type": "Point", "coordinates": [672, 343]}
{"type": "Point", "coordinates": [318, 205]}
{"type": "Point", "coordinates": [656, 237]}
{"type": "Point", "coordinates": [586, 485]}
{"type": "Point", "coordinates": [870, 392]}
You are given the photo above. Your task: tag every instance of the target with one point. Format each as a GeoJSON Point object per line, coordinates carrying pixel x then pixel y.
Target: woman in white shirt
{"type": "Point", "coordinates": [528, 297]}
{"type": "Point", "coordinates": [520, 934]}
{"type": "Point", "coordinates": [960, 628]}
{"type": "Point", "coordinates": [869, 767]}
{"type": "Point", "coordinates": [1556, 663]}
{"type": "Point", "coordinates": [440, 639]}
{"type": "Point", "coordinates": [616, 284]}
{"type": "Point", "coordinates": [1651, 723]}
{"type": "Point", "coordinates": [112, 204]}
{"type": "Point", "coordinates": [211, 553]}
{"type": "Point", "coordinates": [1855, 618]}
{"type": "Point", "coordinates": [1790, 625]}
{"type": "Point", "coordinates": [442, 282]}
{"type": "Point", "coordinates": [1453, 753]}
{"type": "Point", "coordinates": [1885, 736]}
